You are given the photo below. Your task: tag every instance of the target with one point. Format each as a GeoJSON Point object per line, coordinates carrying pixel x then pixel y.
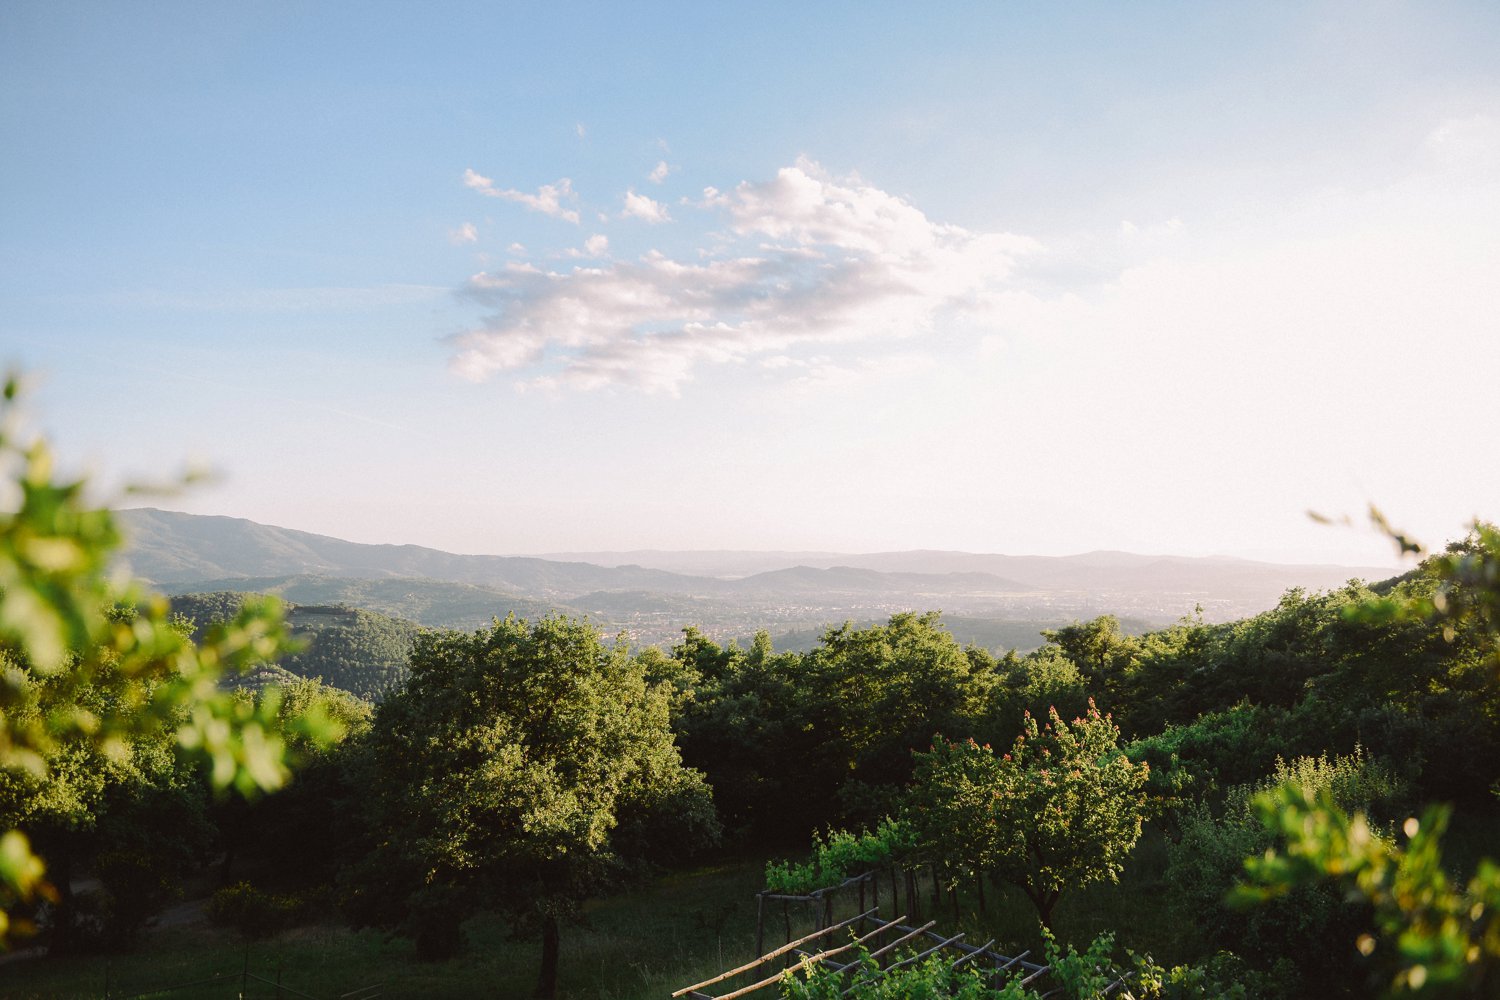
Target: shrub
{"type": "Point", "coordinates": [1208, 861]}
{"type": "Point", "coordinates": [252, 912]}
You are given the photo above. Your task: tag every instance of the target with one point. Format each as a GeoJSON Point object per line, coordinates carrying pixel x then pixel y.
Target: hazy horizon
{"type": "Point", "coordinates": [855, 278]}
{"type": "Point", "coordinates": [583, 554]}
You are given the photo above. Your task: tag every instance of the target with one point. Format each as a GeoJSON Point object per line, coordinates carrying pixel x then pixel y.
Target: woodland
{"type": "Point", "coordinates": [1301, 803]}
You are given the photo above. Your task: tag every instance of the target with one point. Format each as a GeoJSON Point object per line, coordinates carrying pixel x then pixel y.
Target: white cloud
{"type": "Point", "coordinates": [466, 233]}
{"type": "Point", "coordinates": [638, 206]}
{"type": "Point", "coordinates": [582, 132]}
{"type": "Point", "coordinates": [811, 259]}
{"type": "Point", "coordinates": [596, 245]}
{"type": "Point", "coordinates": [548, 199]}
{"type": "Point", "coordinates": [659, 172]}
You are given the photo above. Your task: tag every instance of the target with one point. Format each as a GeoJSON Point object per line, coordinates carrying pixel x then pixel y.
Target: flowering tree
{"type": "Point", "coordinates": [1061, 810]}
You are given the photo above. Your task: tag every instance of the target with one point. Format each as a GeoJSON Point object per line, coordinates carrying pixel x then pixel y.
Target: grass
{"type": "Point", "coordinates": [679, 930]}
{"type": "Point", "coordinates": [645, 943]}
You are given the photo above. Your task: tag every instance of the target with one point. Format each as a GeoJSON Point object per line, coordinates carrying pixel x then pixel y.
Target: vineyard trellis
{"type": "Point", "coordinates": [890, 943]}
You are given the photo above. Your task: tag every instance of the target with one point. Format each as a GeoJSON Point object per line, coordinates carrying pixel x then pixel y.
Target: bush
{"type": "Point", "coordinates": [1208, 861]}
{"type": "Point", "coordinates": [841, 855]}
{"type": "Point", "coordinates": [252, 912]}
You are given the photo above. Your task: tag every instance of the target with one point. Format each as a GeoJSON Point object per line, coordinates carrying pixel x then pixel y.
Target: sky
{"type": "Point", "coordinates": [1028, 278]}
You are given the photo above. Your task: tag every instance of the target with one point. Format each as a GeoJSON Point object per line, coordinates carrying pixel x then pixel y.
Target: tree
{"type": "Point", "coordinates": [76, 678]}
{"type": "Point", "coordinates": [1432, 937]}
{"type": "Point", "coordinates": [523, 766]}
{"type": "Point", "coordinates": [749, 714]}
{"type": "Point", "coordinates": [1099, 649]}
{"type": "Point", "coordinates": [879, 693]}
{"type": "Point", "coordinates": [1061, 810]}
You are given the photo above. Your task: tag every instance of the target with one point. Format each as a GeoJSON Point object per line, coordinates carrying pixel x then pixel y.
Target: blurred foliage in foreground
{"type": "Point", "coordinates": [91, 669]}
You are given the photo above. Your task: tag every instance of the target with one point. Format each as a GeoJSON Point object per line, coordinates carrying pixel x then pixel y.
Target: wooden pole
{"type": "Point", "coordinates": [766, 958]}
{"type": "Point", "coordinates": [806, 963]}
{"type": "Point", "coordinates": [760, 924]}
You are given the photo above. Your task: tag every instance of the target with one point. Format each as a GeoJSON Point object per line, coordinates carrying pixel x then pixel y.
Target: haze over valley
{"type": "Point", "coordinates": [996, 601]}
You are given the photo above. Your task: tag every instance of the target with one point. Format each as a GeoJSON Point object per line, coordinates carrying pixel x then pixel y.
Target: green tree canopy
{"type": "Point", "coordinates": [522, 767]}
{"type": "Point", "coordinates": [1061, 810]}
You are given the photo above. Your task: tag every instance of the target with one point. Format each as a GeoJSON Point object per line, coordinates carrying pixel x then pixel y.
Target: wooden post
{"type": "Point", "coordinates": [760, 923]}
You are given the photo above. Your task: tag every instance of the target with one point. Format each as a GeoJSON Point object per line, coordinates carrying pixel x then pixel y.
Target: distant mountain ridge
{"type": "Point", "coordinates": [167, 548]}
{"type": "Point", "coordinates": [1099, 570]}
{"type": "Point", "coordinates": [653, 595]}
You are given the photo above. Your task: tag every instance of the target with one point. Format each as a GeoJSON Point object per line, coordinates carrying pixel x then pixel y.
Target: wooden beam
{"type": "Point", "coordinates": [903, 938]}
{"type": "Point", "coordinates": [970, 954]}
{"type": "Point", "coordinates": [806, 963]}
{"type": "Point", "coordinates": [768, 956]}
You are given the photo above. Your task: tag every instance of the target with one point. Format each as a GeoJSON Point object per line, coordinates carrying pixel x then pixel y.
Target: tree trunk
{"type": "Point", "coordinates": [1043, 901]}
{"type": "Point", "coordinates": [546, 986]}
{"type": "Point", "coordinates": [1044, 907]}
{"type": "Point", "coordinates": [979, 884]}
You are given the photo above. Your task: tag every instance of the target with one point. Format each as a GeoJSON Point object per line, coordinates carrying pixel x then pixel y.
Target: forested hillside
{"type": "Point", "coordinates": [426, 602]}
{"type": "Point", "coordinates": [362, 652]}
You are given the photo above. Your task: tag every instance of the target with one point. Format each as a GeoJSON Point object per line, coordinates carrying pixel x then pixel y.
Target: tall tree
{"type": "Point", "coordinates": [879, 693]}
{"type": "Point", "coordinates": [522, 767]}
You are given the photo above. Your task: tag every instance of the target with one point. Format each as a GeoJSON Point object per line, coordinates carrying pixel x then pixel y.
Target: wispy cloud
{"type": "Point", "coordinates": [807, 258]}
{"type": "Point", "coordinates": [466, 233]}
{"type": "Point", "coordinates": [659, 172]}
{"type": "Point", "coordinates": [548, 199]}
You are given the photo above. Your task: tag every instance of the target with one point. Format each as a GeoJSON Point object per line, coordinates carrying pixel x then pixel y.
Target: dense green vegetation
{"type": "Point", "coordinates": [438, 603]}
{"type": "Point", "coordinates": [362, 652]}
{"type": "Point", "coordinates": [528, 772]}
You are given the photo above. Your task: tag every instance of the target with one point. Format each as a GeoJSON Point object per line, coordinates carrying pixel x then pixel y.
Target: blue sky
{"type": "Point", "coordinates": [1001, 277]}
